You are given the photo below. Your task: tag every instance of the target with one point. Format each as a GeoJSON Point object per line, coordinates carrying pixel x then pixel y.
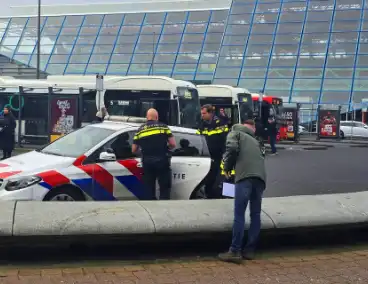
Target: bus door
{"type": "Point", "coordinates": [245, 107]}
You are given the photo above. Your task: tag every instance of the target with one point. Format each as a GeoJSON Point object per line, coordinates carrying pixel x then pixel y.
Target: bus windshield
{"type": "Point", "coordinates": [245, 107]}
{"type": "Point", "coordinates": [189, 107]}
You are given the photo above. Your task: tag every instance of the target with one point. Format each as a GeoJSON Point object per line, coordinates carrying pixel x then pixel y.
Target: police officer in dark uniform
{"type": "Point", "coordinates": [155, 139]}
{"type": "Point", "coordinates": [215, 130]}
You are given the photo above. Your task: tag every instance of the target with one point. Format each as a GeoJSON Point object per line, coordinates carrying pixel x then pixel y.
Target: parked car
{"type": "Point", "coordinates": [96, 163]}
{"type": "Point", "coordinates": [353, 129]}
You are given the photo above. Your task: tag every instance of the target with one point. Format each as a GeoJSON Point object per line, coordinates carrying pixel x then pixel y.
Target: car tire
{"type": "Point", "coordinates": [67, 193]}
{"type": "Point", "coordinates": [342, 134]}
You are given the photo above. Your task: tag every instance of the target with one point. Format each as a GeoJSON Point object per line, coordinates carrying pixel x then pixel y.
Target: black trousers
{"type": "Point", "coordinates": [160, 172]}
{"type": "Point", "coordinates": [6, 154]}
{"type": "Point", "coordinates": [211, 188]}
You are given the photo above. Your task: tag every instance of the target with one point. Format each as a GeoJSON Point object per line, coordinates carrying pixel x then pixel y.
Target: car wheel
{"type": "Point", "coordinates": [64, 194]}
{"type": "Point", "coordinates": [342, 134]}
{"type": "Point", "coordinates": [198, 193]}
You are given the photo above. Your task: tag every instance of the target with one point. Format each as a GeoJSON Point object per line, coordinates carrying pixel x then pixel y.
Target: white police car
{"type": "Point", "coordinates": [96, 163]}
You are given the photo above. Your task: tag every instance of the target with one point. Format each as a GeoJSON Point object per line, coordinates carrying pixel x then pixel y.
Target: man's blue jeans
{"type": "Point", "coordinates": [248, 190]}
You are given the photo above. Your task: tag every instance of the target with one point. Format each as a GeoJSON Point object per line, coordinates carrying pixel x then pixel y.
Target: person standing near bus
{"type": "Point", "coordinates": [215, 132]}
{"type": "Point", "coordinates": [155, 139]}
{"type": "Point", "coordinates": [7, 133]}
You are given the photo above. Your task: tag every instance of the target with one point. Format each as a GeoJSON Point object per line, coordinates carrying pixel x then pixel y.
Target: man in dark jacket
{"type": "Point", "coordinates": [244, 154]}
{"type": "Point", "coordinates": [7, 133]}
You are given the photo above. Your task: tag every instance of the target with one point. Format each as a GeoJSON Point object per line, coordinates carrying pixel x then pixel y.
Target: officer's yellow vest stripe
{"type": "Point", "coordinates": [152, 131]}
{"type": "Point", "coordinates": [218, 130]}
{"type": "Point", "coordinates": [223, 172]}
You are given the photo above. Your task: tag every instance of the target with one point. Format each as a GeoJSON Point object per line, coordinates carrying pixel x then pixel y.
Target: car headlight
{"type": "Point", "coordinates": [21, 182]}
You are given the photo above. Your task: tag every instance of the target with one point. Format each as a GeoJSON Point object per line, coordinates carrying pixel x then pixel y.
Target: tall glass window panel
{"type": "Point", "coordinates": [95, 68]}
{"type": "Point", "coordinates": [358, 96]}
{"type": "Point", "coordinates": [121, 58]}
{"type": "Point", "coordinates": [154, 19]}
{"type": "Point", "coordinates": [73, 21]}
{"type": "Point", "coordinates": [365, 19]}
{"type": "Point", "coordinates": [184, 68]}
{"type": "Point", "coordinates": [347, 14]}
{"type": "Point", "coordinates": [139, 69]}
{"type": "Point", "coordinates": [13, 33]}
{"type": "Point", "coordinates": [335, 97]}
{"type": "Point", "coordinates": [237, 30]}
{"type": "Point", "coordinates": [172, 30]}
{"type": "Point", "coordinates": [275, 72]}
{"type": "Point", "coordinates": [82, 49]}
{"type": "Point", "coordinates": [342, 26]}
{"type": "Point", "coordinates": [216, 28]}
{"type": "Point", "coordinates": [99, 58]}
{"type": "Point", "coordinates": [133, 19]}
{"type": "Point", "coordinates": [283, 61]}
{"type": "Point", "coordinates": [363, 37]}
{"type": "Point", "coordinates": [287, 39]}
{"type": "Point", "coordinates": [261, 39]}
{"type": "Point", "coordinates": [103, 49]}
{"type": "Point", "coordinates": [314, 43]}
{"type": "Point", "coordinates": [242, 7]}
{"type": "Point", "coordinates": [318, 15]}
{"type": "Point", "coordinates": [337, 84]}
{"type": "Point", "coordinates": [206, 68]}
{"type": "Point", "coordinates": [306, 95]}
{"type": "Point", "coordinates": [258, 49]}
{"type": "Point", "coordinates": [105, 39]}
{"type": "Point", "coordinates": [142, 58]}
{"type": "Point", "coordinates": [212, 42]}
{"type": "Point", "coordinates": [75, 69]}
{"type": "Point", "coordinates": [86, 39]}
{"type": "Point", "coordinates": [117, 69]}
{"type": "Point", "coordinates": [362, 61]}
{"type": "Point", "coordinates": [309, 72]}
{"type": "Point", "coordinates": [285, 49]}
{"type": "Point", "coordinates": [289, 28]}
{"type": "Point", "coordinates": [189, 58]}
{"type": "Point", "coordinates": [79, 58]}
{"type": "Point", "coordinates": [313, 60]}
{"type": "Point", "coordinates": [231, 51]}
{"type": "Point", "coordinates": [348, 4]}
{"type": "Point", "coordinates": [361, 85]}
{"type": "Point", "coordinates": [227, 72]}
{"type": "Point", "coordinates": [340, 60]}
{"type": "Point", "coordinates": [337, 73]}
{"type": "Point", "coordinates": [278, 84]}
{"type": "Point", "coordinates": [291, 16]}
{"type": "Point", "coordinates": [268, 7]}
{"type": "Point", "coordinates": [307, 84]}
{"type": "Point", "coordinates": [193, 38]}
{"type": "Point", "coordinates": [167, 48]}
{"type": "Point", "coordinates": [161, 58]}
{"type": "Point", "coordinates": [248, 72]}
{"type": "Point", "coordinates": [196, 28]}
{"type": "Point", "coordinates": [43, 61]}
{"type": "Point", "coordinates": [256, 61]}
{"type": "Point", "coordinates": [198, 16]}
{"type": "Point", "coordinates": [235, 40]}
{"type": "Point", "coordinates": [59, 58]}
{"type": "Point", "coordinates": [190, 47]}
{"type": "Point", "coordinates": [208, 58]}
{"type": "Point", "coordinates": [229, 62]}
{"type": "Point", "coordinates": [176, 17]}
{"type": "Point", "coordinates": [240, 19]}
{"type": "Point", "coordinates": [162, 69]}
{"type": "Point", "coordinates": [151, 29]}
{"type": "Point", "coordinates": [219, 16]}
{"type": "Point", "coordinates": [316, 27]}
{"type": "Point", "coordinates": [342, 48]}
{"type": "Point", "coordinates": [263, 28]}
{"type": "Point", "coordinates": [265, 18]}
{"type": "Point", "coordinates": [294, 6]}
{"type": "Point", "coordinates": [56, 69]}
{"type": "Point", "coordinates": [254, 85]}
{"type": "Point", "coordinates": [113, 20]}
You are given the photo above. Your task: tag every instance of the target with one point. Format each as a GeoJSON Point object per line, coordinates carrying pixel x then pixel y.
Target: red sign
{"type": "Point", "coordinates": [328, 123]}
{"type": "Point", "coordinates": [63, 115]}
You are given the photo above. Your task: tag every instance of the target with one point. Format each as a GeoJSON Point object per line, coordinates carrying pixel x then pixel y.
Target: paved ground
{"type": "Point", "coordinates": [335, 268]}
{"type": "Point", "coordinates": [336, 170]}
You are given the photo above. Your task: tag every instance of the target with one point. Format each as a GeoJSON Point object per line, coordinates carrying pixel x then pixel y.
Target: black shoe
{"type": "Point", "coordinates": [234, 257]}
{"type": "Point", "coordinates": [248, 255]}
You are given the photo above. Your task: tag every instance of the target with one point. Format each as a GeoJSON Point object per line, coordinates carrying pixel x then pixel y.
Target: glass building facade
{"type": "Point", "coordinates": [310, 51]}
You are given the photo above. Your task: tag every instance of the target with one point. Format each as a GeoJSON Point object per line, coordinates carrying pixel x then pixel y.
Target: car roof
{"type": "Point", "coordinates": [117, 126]}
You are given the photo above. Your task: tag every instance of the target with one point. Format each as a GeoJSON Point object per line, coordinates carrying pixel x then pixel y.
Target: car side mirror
{"type": "Point", "coordinates": [107, 156]}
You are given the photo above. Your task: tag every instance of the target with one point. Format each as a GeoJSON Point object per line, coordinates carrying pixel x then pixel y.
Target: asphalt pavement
{"type": "Point", "coordinates": [296, 171]}
{"type": "Point", "coordinates": [340, 169]}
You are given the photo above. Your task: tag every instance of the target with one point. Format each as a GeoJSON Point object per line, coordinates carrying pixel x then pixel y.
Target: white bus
{"type": "Point", "coordinates": [176, 101]}
{"type": "Point", "coordinates": [236, 102]}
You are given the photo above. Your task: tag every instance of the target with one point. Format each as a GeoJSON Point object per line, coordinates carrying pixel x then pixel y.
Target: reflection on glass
{"type": "Point", "coordinates": [189, 107]}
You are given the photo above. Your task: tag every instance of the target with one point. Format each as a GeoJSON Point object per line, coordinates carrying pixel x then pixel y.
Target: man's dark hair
{"type": "Point", "coordinates": [209, 108]}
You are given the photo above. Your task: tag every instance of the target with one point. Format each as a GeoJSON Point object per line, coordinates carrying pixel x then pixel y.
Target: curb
{"type": "Point", "coordinates": [359, 146]}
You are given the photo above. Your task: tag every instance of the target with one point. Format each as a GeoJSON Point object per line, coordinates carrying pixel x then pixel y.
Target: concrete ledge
{"type": "Point", "coordinates": [81, 218]}
{"type": "Point", "coordinates": [7, 210]}
{"type": "Point", "coordinates": [129, 218]}
{"type": "Point", "coordinates": [195, 216]}
{"type": "Point", "coordinates": [317, 210]}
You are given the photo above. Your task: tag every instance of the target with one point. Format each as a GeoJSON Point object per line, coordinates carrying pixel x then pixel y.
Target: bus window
{"type": "Point", "coordinates": [245, 106]}
{"type": "Point", "coordinates": [189, 107]}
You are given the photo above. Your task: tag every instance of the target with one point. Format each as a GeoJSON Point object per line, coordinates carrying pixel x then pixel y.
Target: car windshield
{"type": "Point", "coordinates": [245, 106]}
{"type": "Point", "coordinates": [190, 110]}
{"type": "Point", "coordinates": [77, 142]}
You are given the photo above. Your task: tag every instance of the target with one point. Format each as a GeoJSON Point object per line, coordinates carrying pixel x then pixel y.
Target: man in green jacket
{"type": "Point", "coordinates": [245, 154]}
